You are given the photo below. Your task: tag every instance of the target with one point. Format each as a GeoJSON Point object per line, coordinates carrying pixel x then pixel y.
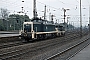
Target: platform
{"type": "Point", "coordinates": [8, 34]}
{"type": "Point", "coordinates": [83, 55]}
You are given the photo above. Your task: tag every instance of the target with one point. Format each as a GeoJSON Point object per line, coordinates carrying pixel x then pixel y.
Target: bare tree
{"type": "Point", "coordinates": [4, 13]}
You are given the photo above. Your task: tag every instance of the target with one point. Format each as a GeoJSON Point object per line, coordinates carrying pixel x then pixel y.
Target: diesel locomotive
{"type": "Point", "coordinates": [41, 29]}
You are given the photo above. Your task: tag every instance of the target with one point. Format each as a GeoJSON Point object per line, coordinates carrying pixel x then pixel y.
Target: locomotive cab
{"type": "Point", "coordinates": [27, 30]}
{"type": "Point", "coordinates": [30, 29]}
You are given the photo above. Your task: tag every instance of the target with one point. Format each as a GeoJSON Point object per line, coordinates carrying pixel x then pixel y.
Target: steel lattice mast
{"type": "Point", "coordinates": [34, 9]}
{"type": "Point", "coordinates": [45, 13]}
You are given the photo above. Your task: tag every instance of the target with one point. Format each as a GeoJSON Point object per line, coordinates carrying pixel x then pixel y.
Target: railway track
{"type": "Point", "coordinates": [9, 39]}
{"type": "Point", "coordinates": [11, 44]}
{"type": "Point", "coordinates": [68, 49]}
{"type": "Point", "coordinates": [15, 43]}
{"type": "Point", "coordinates": [53, 51]}
{"type": "Point", "coordinates": [19, 52]}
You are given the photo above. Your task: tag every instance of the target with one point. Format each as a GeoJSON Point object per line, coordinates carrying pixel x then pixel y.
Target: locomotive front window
{"type": "Point", "coordinates": [27, 28]}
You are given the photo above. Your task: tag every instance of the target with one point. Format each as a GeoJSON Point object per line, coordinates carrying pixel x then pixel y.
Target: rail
{"type": "Point", "coordinates": [62, 52]}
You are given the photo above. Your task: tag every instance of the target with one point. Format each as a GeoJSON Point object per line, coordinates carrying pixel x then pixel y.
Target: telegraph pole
{"type": "Point", "coordinates": [67, 22]}
{"type": "Point", "coordinates": [45, 13]}
{"type": "Point", "coordinates": [64, 15]}
{"type": "Point", "coordinates": [52, 18]}
{"type": "Point", "coordinates": [80, 20]}
{"type": "Point", "coordinates": [89, 20]}
{"type": "Point", "coordinates": [34, 9]}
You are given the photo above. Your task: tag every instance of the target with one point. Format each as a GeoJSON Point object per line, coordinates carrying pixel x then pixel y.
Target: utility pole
{"type": "Point", "coordinates": [14, 20]}
{"type": "Point", "coordinates": [80, 20]}
{"type": "Point", "coordinates": [49, 16]}
{"type": "Point", "coordinates": [64, 15]}
{"type": "Point", "coordinates": [73, 25]}
{"type": "Point", "coordinates": [52, 18]}
{"type": "Point", "coordinates": [89, 19]}
{"type": "Point", "coordinates": [34, 9]}
{"type": "Point", "coordinates": [45, 13]}
{"type": "Point", "coordinates": [67, 22]}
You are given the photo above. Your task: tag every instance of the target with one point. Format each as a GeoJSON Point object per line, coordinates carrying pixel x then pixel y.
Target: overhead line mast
{"type": "Point", "coordinates": [45, 13]}
{"type": "Point", "coordinates": [34, 9]}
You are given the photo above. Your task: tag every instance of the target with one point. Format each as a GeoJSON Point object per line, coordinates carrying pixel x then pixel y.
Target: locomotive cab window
{"type": "Point", "coordinates": [27, 27]}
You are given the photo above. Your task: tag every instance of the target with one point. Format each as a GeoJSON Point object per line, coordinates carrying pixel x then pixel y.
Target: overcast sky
{"type": "Point", "coordinates": [53, 6]}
